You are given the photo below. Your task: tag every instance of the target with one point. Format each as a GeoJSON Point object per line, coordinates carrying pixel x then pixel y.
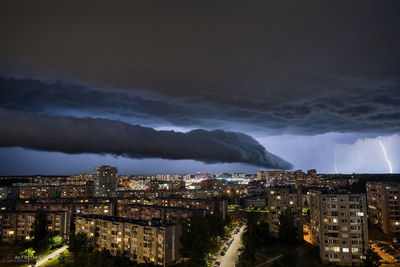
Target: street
{"type": "Point", "coordinates": [52, 255]}
{"type": "Point", "coordinates": [307, 234]}
{"type": "Point", "coordinates": [228, 260]}
{"type": "Point", "coordinates": [385, 257]}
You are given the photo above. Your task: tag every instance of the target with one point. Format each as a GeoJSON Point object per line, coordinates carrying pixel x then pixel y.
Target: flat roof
{"type": "Point", "coordinates": [129, 220]}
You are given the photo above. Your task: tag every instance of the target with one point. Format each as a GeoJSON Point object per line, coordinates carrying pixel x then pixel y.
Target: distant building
{"type": "Point", "coordinates": [3, 192]}
{"type": "Point", "coordinates": [206, 204]}
{"type": "Point", "coordinates": [255, 202]}
{"type": "Point", "coordinates": [270, 175]}
{"type": "Point", "coordinates": [140, 240]}
{"type": "Point", "coordinates": [339, 226]}
{"type": "Point", "coordinates": [212, 184]}
{"type": "Point", "coordinates": [82, 178]}
{"type": "Point", "coordinates": [282, 199]}
{"type": "Point", "coordinates": [32, 190]}
{"type": "Point", "coordinates": [384, 205]}
{"type": "Point", "coordinates": [312, 173]}
{"type": "Point", "coordinates": [76, 191]}
{"type": "Point", "coordinates": [238, 175]}
{"type": "Point", "coordinates": [105, 181]}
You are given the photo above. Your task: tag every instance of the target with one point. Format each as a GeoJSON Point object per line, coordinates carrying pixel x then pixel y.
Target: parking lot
{"type": "Point", "coordinates": [389, 252]}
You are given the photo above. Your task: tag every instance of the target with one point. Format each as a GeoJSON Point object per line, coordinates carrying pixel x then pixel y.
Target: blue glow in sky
{"type": "Point", "coordinates": [362, 155]}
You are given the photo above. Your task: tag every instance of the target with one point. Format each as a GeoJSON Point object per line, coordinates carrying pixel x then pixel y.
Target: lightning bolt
{"type": "Point", "coordinates": [384, 153]}
{"type": "Point", "coordinates": [334, 159]}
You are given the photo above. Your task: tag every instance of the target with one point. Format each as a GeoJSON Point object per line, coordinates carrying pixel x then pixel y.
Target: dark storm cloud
{"type": "Point", "coordinates": [87, 135]}
{"type": "Point", "coordinates": [302, 67]}
{"type": "Point", "coordinates": [374, 109]}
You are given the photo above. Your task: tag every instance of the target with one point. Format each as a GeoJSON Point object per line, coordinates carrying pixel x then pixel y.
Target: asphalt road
{"type": "Point", "coordinates": [228, 260]}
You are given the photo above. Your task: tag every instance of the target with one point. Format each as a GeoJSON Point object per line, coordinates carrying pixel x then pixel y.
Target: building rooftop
{"type": "Point", "coordinates": [164, 207]}
{"type": "Point", "coordinates": [153, 222]}
{"type": "Point", "coordinates": [333, 191]}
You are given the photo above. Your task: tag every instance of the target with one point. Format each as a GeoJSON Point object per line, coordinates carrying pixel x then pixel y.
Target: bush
{"type": "Point", "coordinates": [56, 241]}
{"type": "Point", "coordinates": [30, 252]}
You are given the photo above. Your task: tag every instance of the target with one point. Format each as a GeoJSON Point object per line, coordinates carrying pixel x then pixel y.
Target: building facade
{"type": "Point", "coordinates": [30, 191]}
{"type": "Point", "coordinates": [140, 240]}
{"type": "Point", "coordinates": [283, 199]}
{"type": "Point", "coordinates": [76, 191]}
{"type": "Point", "coordinates": [105, 181]}
{"type": "Point", "coordinates": [16, 226]}
{"type": "Point", "coordinates": [384, 206]}
{"type": "Point", "coordinates": [206, 204]}
{"type": "Point", "coordinates": [339, 226]}
{"type": "Point", "coordinates": [163, 213]}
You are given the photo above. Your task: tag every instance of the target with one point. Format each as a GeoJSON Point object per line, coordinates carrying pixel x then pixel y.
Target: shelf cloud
{"type": "Point", "coordinates": [88, 135]}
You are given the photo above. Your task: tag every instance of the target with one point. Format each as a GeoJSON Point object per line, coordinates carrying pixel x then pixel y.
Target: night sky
{"type": "Point", "coordinates": [186, 86]}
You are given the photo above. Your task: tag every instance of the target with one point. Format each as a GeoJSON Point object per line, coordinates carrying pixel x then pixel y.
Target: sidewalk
{"type": "Point", "coordinates": [51, 255]}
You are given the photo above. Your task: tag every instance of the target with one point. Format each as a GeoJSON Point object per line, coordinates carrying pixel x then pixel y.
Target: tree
{"type": "Point", "coordinates": [40, 232]}
{"type": "Point", "coordinates": [216, 222]}
{"type": "Point", "coordinates": [249, 238]}
{"type": "Point", "coordinates": [79, 243]}
{"type": "Point", "coordinates": [195, 240]}
{"type": "Point", "coordinates": [373, 259]}
{"type": "Point", "coordinates": [287, 229]}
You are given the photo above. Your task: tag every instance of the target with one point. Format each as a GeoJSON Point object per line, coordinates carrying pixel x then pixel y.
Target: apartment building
{"type": "Point", "coordinates": [339, 226]}
{"type": "Point", "coordinates": [76, 191]}
{"type": "Point", "coordinates": [255, 202]}
{"type": "Point", "coordinates": [384, 205]}
{"type": "Point", "coordinates": [141, 240]}
{"type": "Point", "coordinates": [75, 208]}
{"type": "Point", "coordinates": [105, 181]}
{"type": "Point", "coordinates": [163, 213]}
{"type": "Point", "coordinates": [206, 204]}
{"type": "Point", "coordinates": [27, 191]}
{"type": "Point", "coordinates": [16, 226]}
{"type": "Point", "coordinates": [283, 199]}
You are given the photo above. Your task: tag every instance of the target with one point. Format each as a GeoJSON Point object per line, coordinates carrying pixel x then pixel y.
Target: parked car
{"type": "Point", "coordinates": [217, 263]}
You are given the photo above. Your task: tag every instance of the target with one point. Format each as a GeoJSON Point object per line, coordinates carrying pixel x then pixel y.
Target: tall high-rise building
{"type": "Point", "coordinates": [105, 181]}
{"type": "Point", "coordinates": [339, 226]}
{"type": "Point", "coordinates": [384, 205]}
